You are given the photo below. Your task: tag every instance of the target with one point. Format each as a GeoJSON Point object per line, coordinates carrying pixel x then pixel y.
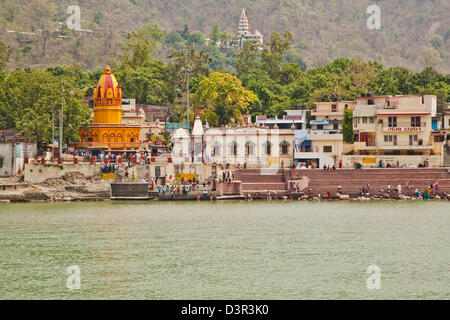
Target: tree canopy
{"type": "Point", "coordinates": [223, 95]}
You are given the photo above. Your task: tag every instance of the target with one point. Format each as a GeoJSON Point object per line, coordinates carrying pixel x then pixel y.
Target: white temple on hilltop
{"type": "Point", "coordinates": [244, 30]}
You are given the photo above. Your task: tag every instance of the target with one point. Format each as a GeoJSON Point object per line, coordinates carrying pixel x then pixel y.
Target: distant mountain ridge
{"type": "Point", "coordinates": [414, 33]}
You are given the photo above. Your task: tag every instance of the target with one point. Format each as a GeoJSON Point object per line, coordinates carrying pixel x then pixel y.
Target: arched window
{"type": "Point", "coordinates": [249, 148]}
{"type": "Point", "coordinates": [105, 137]}
{"type": "Point", "coordinates": [112, 137]}
{"type": "Point", "coordinates": [216, 149]}
{"type": "Point", "coordinates": [284, 147]}
{"type": "Point", "coordinates": [267, 147]}
{"type": "Point", "coordinates": [119, 137]}
{"type": "Point", "coordinates": [233, 148]}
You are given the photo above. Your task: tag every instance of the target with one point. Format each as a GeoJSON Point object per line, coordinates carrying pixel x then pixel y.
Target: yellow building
{"type": "Point", "coordinates": [108, 131]}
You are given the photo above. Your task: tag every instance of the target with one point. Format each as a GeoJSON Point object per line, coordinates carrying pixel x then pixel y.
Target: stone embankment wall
{"type": "Point", "coordinates": [228, 188]}
{"type": "Point", "coordinates": [434, 161]}
{"type": "Point", "coordinates": [38, 173]}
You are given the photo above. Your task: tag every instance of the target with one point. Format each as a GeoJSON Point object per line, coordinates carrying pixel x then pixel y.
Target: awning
{"type": "Point", "coordinates": [306, 144]}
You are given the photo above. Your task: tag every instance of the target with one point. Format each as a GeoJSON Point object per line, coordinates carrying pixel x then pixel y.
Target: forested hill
{"type": "Point", "coordinates": [414, 33]}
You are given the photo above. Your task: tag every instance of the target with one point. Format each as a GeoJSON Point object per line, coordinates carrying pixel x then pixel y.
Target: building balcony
{"type": "Point", "coordinates": [325, 131]}
{"type": "Point", "coordinates": [327, 113]}
{"type": "Point", "coordinates": [406, 145]}
{"type": "Point", "coordinates": [406, 124]}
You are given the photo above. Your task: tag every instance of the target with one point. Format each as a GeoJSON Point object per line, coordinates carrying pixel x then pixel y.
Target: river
{"type": "Point", "coordinates": [225, 250]}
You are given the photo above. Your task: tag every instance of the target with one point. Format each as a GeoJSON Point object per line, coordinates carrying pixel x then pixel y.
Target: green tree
{"type": "Point", "coordinates": [437, 41]}
{"type": "Point", "coordinates": [223, 94]}
{"type": "Point", "coordinates": [28, 98]}
{"type": "Point", "coordinates": [248, 59]}
{"type": "Point", "coordinates": [196, 39]}
{"type": "Point", "coordinates": [148, 84]}
{"type": "Point", "coordinates": [5, 52]}
{"type": "Point", "coordinates": [347, 126]}
{"type": "Point", "coordinates": [273, 53]}
{"type": "Point", "coordinates": [190, 58]}
{"type": "Point", "coordinates": [139, 45]}
{"type": "Point", "coordinates": [215, 34]}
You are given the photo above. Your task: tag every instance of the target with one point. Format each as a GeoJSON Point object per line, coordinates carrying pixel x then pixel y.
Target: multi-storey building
{"type": "Point", "coordinates": [328, 116]}
{"type": "Point", "coordinates": [244, 31]}
{"type": "Point", "coordinates": [318, 150]}
{"type": "Point", "coordinates": [250, 144]}
{"type": "Point", "coordinates": [395, 125]}
{"type": "Point", "coordinates": [110, 130]}
{"type": "Point", "coordinates": [292, 119]}
{"type": "Point", "coordinates": [446, 123]}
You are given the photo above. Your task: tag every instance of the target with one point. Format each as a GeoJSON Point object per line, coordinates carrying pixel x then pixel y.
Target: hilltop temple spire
{"type": "Point", "coordinates": [244, 30]}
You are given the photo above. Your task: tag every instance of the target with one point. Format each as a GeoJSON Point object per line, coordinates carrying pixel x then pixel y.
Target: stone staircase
{"type": "Point", "coordinates": [351, 181]}
{"type": "Point", "coordinates": [261, 181]}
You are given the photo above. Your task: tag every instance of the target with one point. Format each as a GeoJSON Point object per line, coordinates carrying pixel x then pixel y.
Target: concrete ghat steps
{"type": "Point", "coordinates": [350, 180]}
{"type": "Point", "coordinates": [261, 178]}
{"type": "Point", "coordinates": [263, 186]}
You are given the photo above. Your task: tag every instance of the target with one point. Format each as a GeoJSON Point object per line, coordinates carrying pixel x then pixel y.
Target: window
{"type": "Point", "coordinates": [320, 127]}
{"type": "Point", "coordinates": [233, 148]}
{"type": "Point", "coordinates": [132, 140]}
{"type": "Point", "coordinates": [415, 122]}
{"type": "Point", "coordinates": [284, 147]}
{"type": "Point", "coordinates": [371, 119]}
{"type": "Point", "coordinates": [392, 122]}
{"type": "Point", "coordinates": [370, 102]}
{"type": "Point", "coordinates": [391, 138]}
{"type": "Point", "coordinates": [412, 138]}
{"type": "Point", "coordinates": [335, 126]}
{"type": "Point", "coordinates": [333, 108]}
{"type": "Point", "coordinates": [327, 149]}
{"type": "Point", "coordinates": [249, 148]}
{"type": "Point", "coordinates": [216, 149]}
{"type": "Point", "coordinates": [364, 120]}
{"type": "Point", "coordinates": [267, 148]}
{"type": "Point", "coordinates": [346, 107]}
{"type": "Point", "coordinates": [1, 162]}
{"type": "Point", "coordinates": [157, 171]}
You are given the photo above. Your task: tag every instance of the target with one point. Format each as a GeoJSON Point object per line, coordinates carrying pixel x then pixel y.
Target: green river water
{"type": "Point", "coordinates": [225, 250]}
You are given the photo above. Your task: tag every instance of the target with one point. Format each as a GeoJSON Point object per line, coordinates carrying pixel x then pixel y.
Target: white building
{"type": "Point", "coordinates": [292, 119]}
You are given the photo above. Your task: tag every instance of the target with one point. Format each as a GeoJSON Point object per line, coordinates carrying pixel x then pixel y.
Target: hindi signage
{"type": "Point", "coordinates": [406, 129]}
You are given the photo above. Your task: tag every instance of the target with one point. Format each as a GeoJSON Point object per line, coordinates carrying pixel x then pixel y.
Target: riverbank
{"type": "Point", "coordinates": [251, 184]}
{"type": "Point", "coordinates": [71, 187]}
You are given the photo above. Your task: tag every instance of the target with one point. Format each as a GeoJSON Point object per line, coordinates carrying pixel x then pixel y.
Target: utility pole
{"type": "Point", "coordinates": [61, 143]}
{"type": "Point", "coordinates": [53, 132]}
{"type": "Point", "coordinates": [187, 71]}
